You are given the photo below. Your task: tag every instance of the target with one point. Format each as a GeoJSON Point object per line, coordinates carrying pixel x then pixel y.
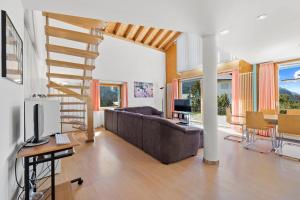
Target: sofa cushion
{"type": "Point", "coordinates": [111, 120]}
{"type": "Point", "coordinates": [151, 136]}
{"type": "Point", "coordinates": [130, 127]}
{"type": "Point", "coordinates": [144, 110]}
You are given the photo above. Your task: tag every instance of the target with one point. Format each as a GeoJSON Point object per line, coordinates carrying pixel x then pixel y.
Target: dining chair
{"type": "Point", "coordinates": [293, 112]}
{"type": "Point", "coordinates": [232, 120]}
{"type": "Point", "coordinates": [288, 125]}
{"type": "Point", "coordinates": [255, 122]}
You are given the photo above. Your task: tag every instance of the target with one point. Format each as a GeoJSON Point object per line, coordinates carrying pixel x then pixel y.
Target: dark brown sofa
{"type": "Point", "coordinates": [144, 110]}
{"type": "Point", "coordinates": [159, 137]}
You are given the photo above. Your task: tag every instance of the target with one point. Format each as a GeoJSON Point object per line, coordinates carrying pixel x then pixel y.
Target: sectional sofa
{"type": "Point", "coordinates": [145, 128]}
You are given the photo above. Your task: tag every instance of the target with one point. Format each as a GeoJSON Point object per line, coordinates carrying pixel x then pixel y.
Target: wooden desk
{"type": "Point", "coordinates": [48, 147]}
{"type": "Point", "coordinates": [54, 152]}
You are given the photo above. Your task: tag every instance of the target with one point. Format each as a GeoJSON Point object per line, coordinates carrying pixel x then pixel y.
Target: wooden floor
{"type": "Point", "coordinates": [114, 169]}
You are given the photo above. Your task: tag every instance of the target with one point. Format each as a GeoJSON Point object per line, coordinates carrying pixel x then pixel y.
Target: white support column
{"type": "Point", "coordinates": [210, 107]}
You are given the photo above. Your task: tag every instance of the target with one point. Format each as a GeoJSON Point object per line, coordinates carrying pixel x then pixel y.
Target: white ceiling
{"type": "Point", "coordinates": [275, 38]}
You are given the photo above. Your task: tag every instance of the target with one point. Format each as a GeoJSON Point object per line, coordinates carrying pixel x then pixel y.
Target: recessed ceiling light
{"type": "Point", "coordinates": [261, 17]}
{"type": "Point", "coordinates": [224, 32]}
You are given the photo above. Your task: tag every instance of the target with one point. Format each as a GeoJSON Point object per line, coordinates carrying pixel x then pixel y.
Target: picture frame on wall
{"type": "Point", "coordinates": [11, 50]}
{"type": "Point", "coordinates": [143, 90]}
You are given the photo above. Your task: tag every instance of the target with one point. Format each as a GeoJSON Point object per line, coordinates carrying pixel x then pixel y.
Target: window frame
{"type": "Point", "coordinates": [110, 85]}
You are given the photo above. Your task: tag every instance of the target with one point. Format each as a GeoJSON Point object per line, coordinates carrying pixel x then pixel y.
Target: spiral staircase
{"type": "Point", "coordinates": [69, 68]}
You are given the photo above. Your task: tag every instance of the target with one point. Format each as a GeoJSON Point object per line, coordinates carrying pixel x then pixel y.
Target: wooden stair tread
{"type": "Point", "coordinates": [72, 103]}
{"type": "Point", "coordinates": [72, 35]}
{"type": "Point", "coordinates": [69, 86]}
{"type": "Point", "coordinates": [66, 91]}
{"type": "Point", "coordinates": [82, 22]}
{"type": "Point", "coordinates": [71, 116]}
{"type": "Point", "coordinates": [68, 76]}
{"type": "Point", "coordinates": [66, 95]}
{"type": "Point", "coordinates": [72, 110]}
{"type": "Point", "coordinates": [72, 122]}
{"type": "Point", "coordinates": [65, 64]}
{"type": "Point", "coordinates": [71, 51]}
{"type": "Point", "coordinates": [80, 127]}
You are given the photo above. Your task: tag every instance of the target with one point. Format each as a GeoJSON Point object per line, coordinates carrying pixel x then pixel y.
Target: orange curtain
{"type": "Point", "coordinates": [124, 95]}
{"type": "Point", "coordinates": [266, 86]}
{"type": "Point", "coordinates": [266, 90]}
{"type": "Point", "coordinates": [175, 94]}
{"type": "Point", "coordinates": [95, 93]}
{"type": "Point", "coordinates": [235, 92]}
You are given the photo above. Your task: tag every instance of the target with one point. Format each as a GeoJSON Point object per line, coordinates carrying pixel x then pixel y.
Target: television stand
{"type": "Point", "coordinates": [183, 117]}
{"type": "Point", "coordinates": [182, 123]}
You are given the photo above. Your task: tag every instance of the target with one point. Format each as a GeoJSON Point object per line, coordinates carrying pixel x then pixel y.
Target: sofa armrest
{"type": "Point", "coordinates": [192, 131]}
{"type": "Point", "coordinates": [157, 112]}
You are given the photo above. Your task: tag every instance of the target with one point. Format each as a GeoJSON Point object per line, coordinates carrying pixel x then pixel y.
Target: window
{"type": "Point", "coordinates": [110, 95]}
{"type": "Point", "coordinates": [190, 89]}
{"type": "Point", "coordinates": [289, 87]}
{"type": "Point", "coordinates": [224, 86]}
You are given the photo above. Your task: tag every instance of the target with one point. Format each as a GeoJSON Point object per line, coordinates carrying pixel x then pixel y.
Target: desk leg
{"type": "Point", "coordinates": [34, 172]}
{"type": "Point", "coordinates": [52, 177]}
{"type": "Point", "coordinates": [26, 177]}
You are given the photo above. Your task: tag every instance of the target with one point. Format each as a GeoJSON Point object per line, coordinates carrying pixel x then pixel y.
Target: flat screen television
{"type": "Point", "coordinates": [183, 105]}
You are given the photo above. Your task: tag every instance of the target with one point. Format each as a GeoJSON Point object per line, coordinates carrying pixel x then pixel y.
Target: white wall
{"type": "Point", "coordinates": [12, 103]}
{"type": "Point", "coordinates": [11, 107]}
{"type": "Point", "coordinates": [124, 61]}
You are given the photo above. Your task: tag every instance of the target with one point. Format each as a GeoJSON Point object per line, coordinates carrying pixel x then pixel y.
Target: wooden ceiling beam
{"type": "Point", "coordinates": [156, 36]}
{"type": "Point", "coordinates": [171, 41]}
{"type": "Point", "coordinates": [116, 28]}
{"type": "Point", "coordinates": [136, 35]}
{"type": "Point", "coordinates": [147, 35]}
{"type": "Point", "coordinates": [128, 30]}
{"type": "Point", "coordinates": [131, 40]}
{"type": "Point", "coordinates": [162, 40]}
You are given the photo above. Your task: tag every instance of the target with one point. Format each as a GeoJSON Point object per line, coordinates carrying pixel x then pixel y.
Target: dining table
{"type": "Point", "coordinates": [272, 119]}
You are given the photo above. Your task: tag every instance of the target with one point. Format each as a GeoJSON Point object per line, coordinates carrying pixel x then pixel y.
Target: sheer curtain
{"type": "Point", "coordinates": [266, 86]}
{"type": "Point", "coordinates": [266, 90]}
{"type": "Point", "coordinates": [235, 92]}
